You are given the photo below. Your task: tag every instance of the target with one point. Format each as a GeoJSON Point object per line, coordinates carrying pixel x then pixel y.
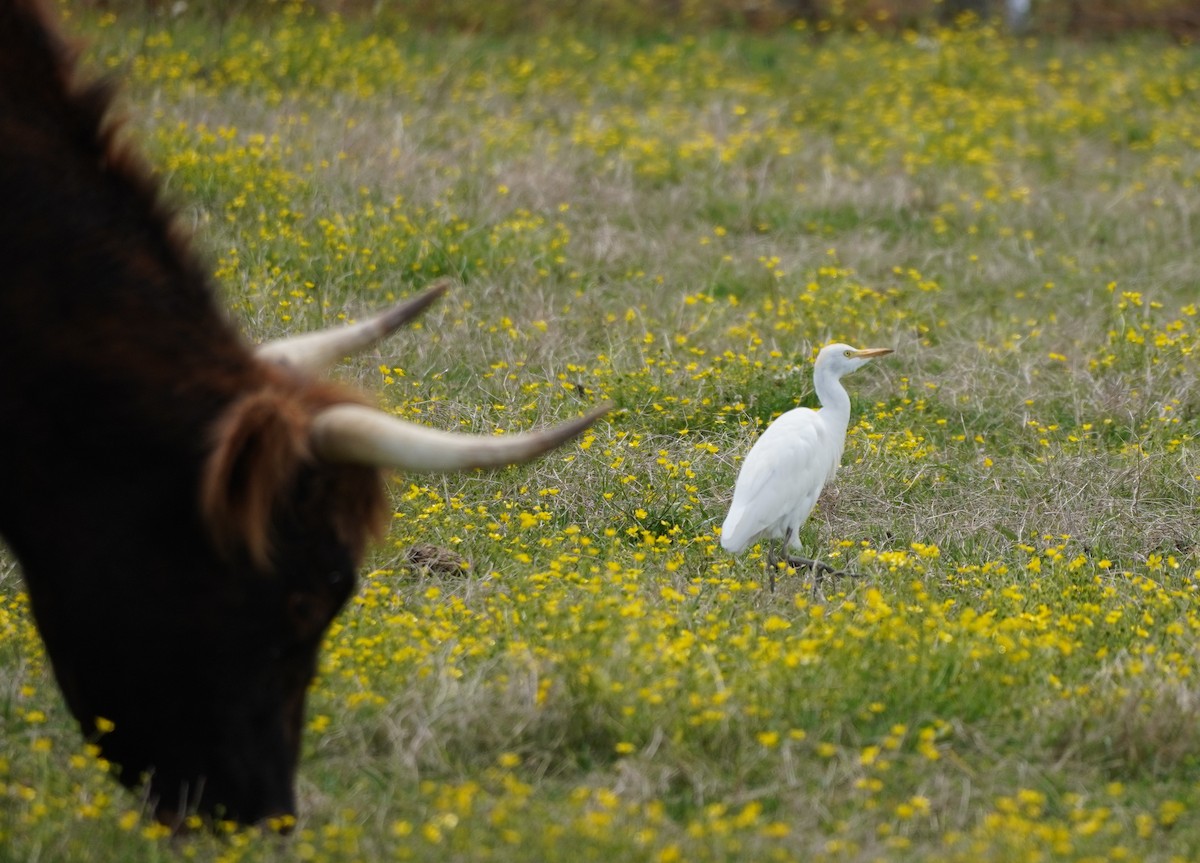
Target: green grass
{"type": "Point", "coordinates": [676, 225]}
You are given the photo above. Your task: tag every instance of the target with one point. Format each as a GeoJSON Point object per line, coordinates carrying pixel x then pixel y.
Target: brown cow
{"type": "Point", "coordinates": [188, 513]}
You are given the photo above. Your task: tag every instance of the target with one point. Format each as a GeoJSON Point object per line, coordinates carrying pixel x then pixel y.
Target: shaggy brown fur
{"type": "Point", "coordinates": [260, 443]}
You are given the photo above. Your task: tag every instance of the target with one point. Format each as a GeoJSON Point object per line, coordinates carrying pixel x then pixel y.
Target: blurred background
{"type": "Point", "coordinates": [1180, 18]}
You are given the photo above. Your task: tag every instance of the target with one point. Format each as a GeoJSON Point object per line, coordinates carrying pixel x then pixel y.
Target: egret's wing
{"type": "Point", "coordinates": [780, 479]}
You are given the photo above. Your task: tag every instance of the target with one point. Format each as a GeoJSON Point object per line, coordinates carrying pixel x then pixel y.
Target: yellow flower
{"type": "Point", "coordinates": [768, 739]}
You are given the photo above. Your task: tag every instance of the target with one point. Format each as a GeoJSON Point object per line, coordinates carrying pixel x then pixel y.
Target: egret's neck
{"type": "Point", "coordinates": [835, 401]}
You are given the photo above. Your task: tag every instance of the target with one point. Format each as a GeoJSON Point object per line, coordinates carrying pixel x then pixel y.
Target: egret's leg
{"type": "Point", "coordinates": [773, 558]}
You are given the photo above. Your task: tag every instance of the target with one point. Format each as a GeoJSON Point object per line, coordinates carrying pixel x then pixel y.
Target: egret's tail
{"type": "Point", "coordinates": [732, 539]}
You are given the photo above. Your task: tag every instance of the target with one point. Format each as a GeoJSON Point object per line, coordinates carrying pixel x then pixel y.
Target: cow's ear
{"type": "Point", "coordinates": [259, 444]}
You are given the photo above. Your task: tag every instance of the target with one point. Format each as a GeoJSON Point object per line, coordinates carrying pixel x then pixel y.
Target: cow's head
{"type": "Point", "coordinates": [202, 662]}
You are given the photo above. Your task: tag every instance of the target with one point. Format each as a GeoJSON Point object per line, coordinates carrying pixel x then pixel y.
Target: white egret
{"type": "Point", "coordinates": [784, 472]}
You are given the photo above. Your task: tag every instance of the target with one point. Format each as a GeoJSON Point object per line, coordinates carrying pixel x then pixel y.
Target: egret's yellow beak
{"type": "Point", "coordinates": [871, 353]}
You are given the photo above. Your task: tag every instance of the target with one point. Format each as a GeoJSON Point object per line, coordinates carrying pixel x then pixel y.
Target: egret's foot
{"type": "Point", "coordinates": [819, 569]}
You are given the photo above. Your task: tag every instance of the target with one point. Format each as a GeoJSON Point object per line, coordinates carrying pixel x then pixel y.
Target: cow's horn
{"type": "Point", "coordinates": [354, 434]}
{"type": "Point", "coordinates": [316, 352]}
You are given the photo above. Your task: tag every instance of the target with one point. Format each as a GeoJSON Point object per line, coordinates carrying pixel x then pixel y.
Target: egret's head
{"type": "Point", "coordinates": [842, 359]}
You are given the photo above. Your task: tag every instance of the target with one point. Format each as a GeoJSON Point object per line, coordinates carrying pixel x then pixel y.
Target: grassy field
{"type": "Point", "coordinates": [580, 672]}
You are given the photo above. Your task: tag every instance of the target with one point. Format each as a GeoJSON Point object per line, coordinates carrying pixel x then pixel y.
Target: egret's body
{"type": "Point", "coordinates": [784, 472]}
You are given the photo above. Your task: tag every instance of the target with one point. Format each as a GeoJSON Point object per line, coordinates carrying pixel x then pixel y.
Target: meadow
{"type": "Point", "coordinates": [559, 661]}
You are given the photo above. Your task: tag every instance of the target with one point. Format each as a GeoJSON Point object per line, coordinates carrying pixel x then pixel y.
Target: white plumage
{"type": "Point", "coordinates": [784, 472]}
{"type": "Point", "coordinates": [781, 479]}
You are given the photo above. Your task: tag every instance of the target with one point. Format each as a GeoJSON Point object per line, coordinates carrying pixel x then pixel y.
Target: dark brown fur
{"type": "Point", "coordinates": [182, 549]}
